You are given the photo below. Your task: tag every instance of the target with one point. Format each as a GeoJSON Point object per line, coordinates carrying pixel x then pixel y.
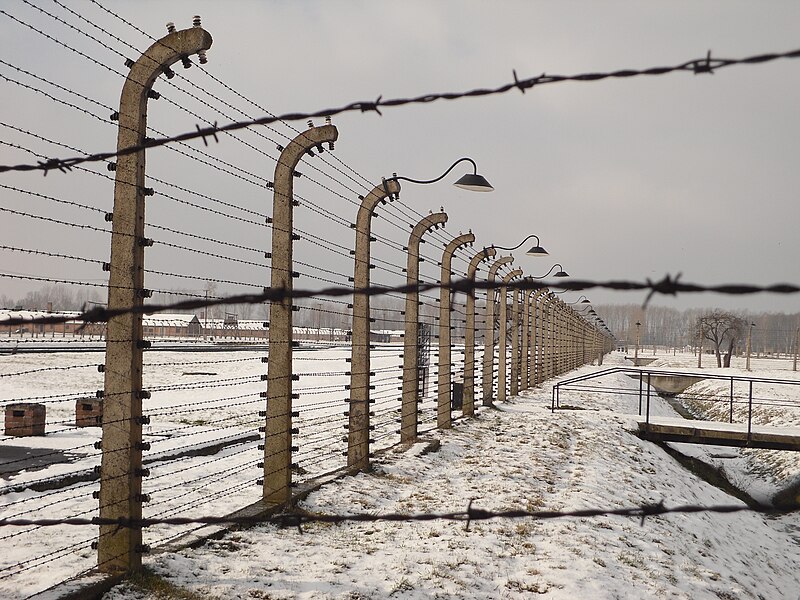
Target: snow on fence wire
{"type": "Point", "coordinates": [185, 414]}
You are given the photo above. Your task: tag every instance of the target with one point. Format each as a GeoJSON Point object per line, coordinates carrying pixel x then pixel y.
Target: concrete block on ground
{"type": "Point", "coordinates": [25, 418]}
{"type": "Point", "coordinates": [88, 412]}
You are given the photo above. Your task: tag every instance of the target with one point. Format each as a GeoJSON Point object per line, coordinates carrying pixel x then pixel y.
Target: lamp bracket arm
{"type": "Point", "coordinates": [442, 176]}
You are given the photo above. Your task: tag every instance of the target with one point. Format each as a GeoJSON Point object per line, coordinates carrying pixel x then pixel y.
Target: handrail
{"type": "Point", "coordinates": [655, 372]}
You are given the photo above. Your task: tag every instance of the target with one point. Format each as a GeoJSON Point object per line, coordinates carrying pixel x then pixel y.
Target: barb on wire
{"type": "Point", "coordinates": [696, 66]}
{"type": "Point", "coordinates": [299, 517]}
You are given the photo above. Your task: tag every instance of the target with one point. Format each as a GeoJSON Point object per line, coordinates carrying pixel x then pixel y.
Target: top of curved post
{"type": "Point", "coordinates": [511, 275]}
{"type": "Point", "coordinates": [428, 222]}
{"type": "Point", "coordinates": [303, 142]}
{"type": "Point", "coordinates": [484, 254]}
{"type": "Point", "coordinates": [461, 240]}
{"type": "Point", "coordinates": [166, 52]}
{"type": "Point", "coordinates": [538, 293]}
{"type": "Point", "coordinates": [504, 260]}
{"type": "Point", "coordinates": [387, 189]}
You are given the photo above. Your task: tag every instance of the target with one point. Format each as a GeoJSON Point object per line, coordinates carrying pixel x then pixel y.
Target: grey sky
{"type": "Point", "coordinates": [621, 179]}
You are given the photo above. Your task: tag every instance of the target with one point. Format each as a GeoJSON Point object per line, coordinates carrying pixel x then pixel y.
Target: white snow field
{"type": "Point", "coordinates": [198, 400]}
{"type": "Point", "coordinates": [517, 456]}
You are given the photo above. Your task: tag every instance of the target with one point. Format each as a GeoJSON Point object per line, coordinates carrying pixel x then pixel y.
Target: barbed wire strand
{"type": "Point", "coordinates": [467, 516]}
{"type": "Point", "coordinates": [696, 66]}
{"type": "Point", "coordinates": [669, 285]}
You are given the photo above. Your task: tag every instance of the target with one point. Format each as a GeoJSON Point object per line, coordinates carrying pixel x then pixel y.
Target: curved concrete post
{"type": "Point", "coordinates": [556, 337]}
{"type": "Point", "coordinates": [443, 416]}
{"type": "Point", "coordinates": [524, 351]}
{"type": "Point", "coordinates": [536, 342]}
{"type": "Point", "coordinates": [547, 337]}
{"type": "Point", "coordinates": [563, 338]}
{"type": "Point", "coordinates": [503, 335]}
{"type": "Point", "coordinates": [359, 422]}
{"type": "Point", "coordinates": [538, 327]}
{"type": "Point", "coordinates": [488, 340]}
{"type": "Point", "coordinates": [586, 332]}
{"type": "Point", "coordinates": [569, 339]}
{"type": "Point", "coordinates": [120, 548]}
{"type": "Point", "coordinates": [577, 339]}
{"type": "Point", "coordinates": [569, 342]}
{"type": "Point", "coordinates": [469, 333]}
{"type": "Point", "coordinates": [278, 438]}
{"type": "Point", "coordinates": [408, 418]}
{"type": "Point", "coordinates": [515, 345]}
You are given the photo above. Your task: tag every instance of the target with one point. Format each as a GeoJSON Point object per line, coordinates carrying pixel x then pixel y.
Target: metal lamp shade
{"type": "Point", "coordinates": [474, 183]}
{"type": "Point", "coordinates": [537, 251]}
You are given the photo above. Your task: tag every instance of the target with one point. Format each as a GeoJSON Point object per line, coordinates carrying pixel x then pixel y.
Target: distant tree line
{"type": "Point", "coordinates": [663, 326]}
{"type": "Point", "coordinates": [61, 297]}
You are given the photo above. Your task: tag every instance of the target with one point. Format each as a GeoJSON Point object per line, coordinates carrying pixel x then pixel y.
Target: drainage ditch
{"type": "Point", "coordinates": [787, 498]}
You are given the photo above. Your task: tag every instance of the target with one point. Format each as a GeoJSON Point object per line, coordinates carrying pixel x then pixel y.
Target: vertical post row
{"type": "Point", "coordinates": [120, 548]}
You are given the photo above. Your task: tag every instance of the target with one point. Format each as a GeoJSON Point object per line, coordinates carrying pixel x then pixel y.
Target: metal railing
{"type": "Point", "coordinates": [646, 386]}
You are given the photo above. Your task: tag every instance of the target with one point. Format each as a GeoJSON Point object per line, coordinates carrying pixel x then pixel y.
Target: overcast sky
{"type": "Point", "coordinates": [621, 179]}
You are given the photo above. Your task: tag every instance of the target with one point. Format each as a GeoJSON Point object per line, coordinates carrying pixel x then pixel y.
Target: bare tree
{"type": "Point", "coordinates": [723, 330]}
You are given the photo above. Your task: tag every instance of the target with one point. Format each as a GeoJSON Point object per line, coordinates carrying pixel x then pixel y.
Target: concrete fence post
{"type": "Point", "coordinates": [120, 548]}
{"type": "Point", "coordinates": [502, 366]}
{"type": "Point", "coordinates": [577, 336]}
{"type": "Point", "coordinates": [569, 334]}
{"type": "Point", "coordinates": [561, 338]}
{"type": "Point", "coordinates": [538, 330]}
{"type": "Point", "coordinates": [599, 345]}
{"type": "Point", "coordinates": [554, 332]}
{"type": "Point", "coordinates": [515, 345]}
{"type": "Point", "coordinates": [443, 414]}
{"type": "Point", "coordinates": [278, 432]}
{"type": "Point", "coordinates": [359, 417]}
{"type": "Point", "coordinates": [488, 340]}
{"type": "Point", "coordinates": [534, 371]}
{"type": "Point", "coordinates": [469, 333]}
{"type": "Point", "coordinates": [552, 320]}
{"type": "Point", "coordinates": [541, 336]}
{"type": "Point", "coordinates": [563, 341]}
{"type": "Point", "coordinates": [410, 399]}
{"type": "Point", "coordinates": [525, 364]}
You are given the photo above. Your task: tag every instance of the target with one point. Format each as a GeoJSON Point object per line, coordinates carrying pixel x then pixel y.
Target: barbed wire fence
{"type": "Point", "coordinates": [202, 428]}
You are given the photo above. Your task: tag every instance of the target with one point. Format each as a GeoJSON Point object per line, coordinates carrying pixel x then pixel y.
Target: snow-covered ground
{"type": "Point", "coordinates": [198, 399]}
{"type": "Point", "coordinates": [520, 456]}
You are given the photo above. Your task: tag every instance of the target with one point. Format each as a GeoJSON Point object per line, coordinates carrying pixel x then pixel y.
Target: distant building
{"type": "Point", "coordinates": [171, 325]}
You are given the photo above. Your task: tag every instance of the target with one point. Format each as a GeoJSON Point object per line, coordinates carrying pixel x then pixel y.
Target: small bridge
{"type": "Point", "coordinates": [641, 361]}
{"type": "Point", "coordinates": [743, 435]}
{"type": "Point", "coordinates": [688, 430]}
